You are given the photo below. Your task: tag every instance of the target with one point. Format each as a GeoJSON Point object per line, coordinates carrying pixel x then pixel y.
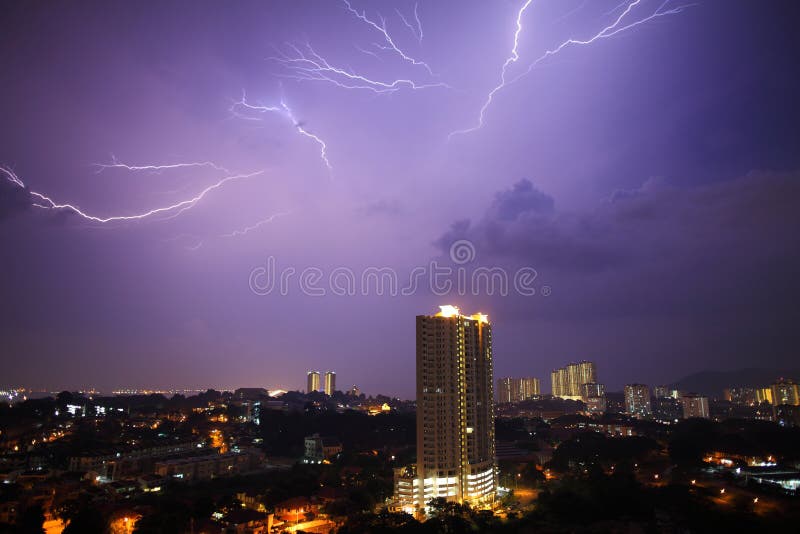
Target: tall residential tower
{"type": "Point", "coordinates": [455, 413]}
{"type": "Point", "coordinates": [313, 381]}
{"type": "Point", "coordinates": [330, 382]}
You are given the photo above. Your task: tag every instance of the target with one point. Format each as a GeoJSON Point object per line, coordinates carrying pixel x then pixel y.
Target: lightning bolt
{"type": "Point", "coordinates": [390, 44]}
{"type": "Point", "coordinates": [510, 60]}
{"type": "Point", "coordinates": [311, 66]}
{"type": "Point", "coordinates": [416, 31]}
{"type": "Point", "coordinates": [172, 210]}
{"type": "Point", "coordinates": [197, 242]}
{"type": "Point", "coordinates": [419, 22]}
{"type": "Point", "coordinates": [257, 225]}
{"type": "Point", "coordinates": [12, 177]}
{"type": "Point", "coordinates": [619, 25]}
{"type": "Point", "coordinates": [156, 168]}
{"type": "Point", "coordinates": [287, 112]}
{"type": "Point", "coordinates": [308, 65]}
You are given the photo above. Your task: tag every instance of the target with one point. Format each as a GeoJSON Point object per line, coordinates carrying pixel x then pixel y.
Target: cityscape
{"type": "Point", "coordinates": [461, 454]}
{"type": "Point", "coordinates": [355, 267]}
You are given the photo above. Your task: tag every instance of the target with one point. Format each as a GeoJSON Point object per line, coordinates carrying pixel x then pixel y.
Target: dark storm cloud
{"type": "Point", "coordinates": [656, 250]}
{"type": "Point", "coordinates": [653, 283]}
{"type": "Point", "coordinates": [523, 199]}
{"type": "Point", "coordinates": [522, 225]}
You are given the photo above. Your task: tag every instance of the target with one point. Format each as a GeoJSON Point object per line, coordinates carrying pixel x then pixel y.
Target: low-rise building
{"type": "Point", "coordinates": [319, 449]}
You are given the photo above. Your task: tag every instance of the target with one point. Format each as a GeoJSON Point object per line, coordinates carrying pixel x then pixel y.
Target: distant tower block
{"type": "Point", "coordinates": [313, 381]}
{"type": "Point", "coordinates": [330, 382]}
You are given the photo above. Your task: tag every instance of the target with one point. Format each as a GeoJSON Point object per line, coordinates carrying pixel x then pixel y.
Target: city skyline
{"type": "Point", "coordinates": [627, 198]}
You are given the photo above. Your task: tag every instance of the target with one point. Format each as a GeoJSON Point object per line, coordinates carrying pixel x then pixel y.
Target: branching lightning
{"type": "Point", "coordinates": [419, 22]}
{"type": "Point", "coordinates": [510, 60]}
{"type": "Point", "coordinates": [156, 168]}
{"type": "Point", "coordinates": [619, 25]}
{"type": "Point", "coordinates": [12, 177]}
{"type": "Point", "coordinates": [390, 43]}
{"type": "Point", "coordinates": [306, 64]}
{"type": "Point", "coordinates": [311, 66]}
{"type": "Point", "coordinates": [257, 225]}
{"type": "Point", "coordinates": [416, 31]}
{"type": "Point", "coordinates": [171, 210]}
{"type": "Point", "coordinates": [287, 112]}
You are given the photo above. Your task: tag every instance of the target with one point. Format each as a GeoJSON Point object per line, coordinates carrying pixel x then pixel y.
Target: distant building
{"type": "Point", "coordinates": [567, 381]}
{"type": "Point", "coordinates": [319, 449]}
{"type": "Point", "coordinates": [661, 392]}
{"type": "Point", "coordinates": [594, 396]}
{"type": "Point", "coordinates": [592, 389]}
{"type": "Point", "coordinates": [764, 395]}
{"type": "Point", "coordinates": [517, 389]}
{"type": "Point", "coordinates": [313, 381]}
{"type": "Point", "coordinates": [354, 391]}
{"type": "Point", "coordinates": [252, 394]}
{"type": "Point", "coordinates": [455, 413]}
{"type": "Point", "coordinates": [695, 406]}
{"type": "Point", "coordinates": [787, 415]}
{"type": "Point", "coordinates": [330, 382]}
{"type": "Point", "coordinates": [596, 405]}
{"type": "Point", "coordinates": [740, 395]}
{"type": "Point", "coordinates": [637, 400]}
{"type": "Point", "coordinates": [209, 466]}
{"type": "Point", "coordinates": [615, 402]}
{"type": "Point", "coordinates": [667, 409]}
{"type": "Point", "coordinates": [785, 392]}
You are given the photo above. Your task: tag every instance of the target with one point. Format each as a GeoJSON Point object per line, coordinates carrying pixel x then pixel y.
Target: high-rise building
{"type": "Point", "coordinates": [594, 396]}
{"type": "Point", "coordinates": [592, 389]}
{"type": "Point", "coordinates": [517, 389]}
{"type": "Point", "coordinates": [567, 381]}
{"type": "Point", "coordinates": [637, 400]}
{"type": "Point", "coordinates": [330, 382]}
{"type": "Point", "coordinates": [558, 379]}
{"type": "Point", "coordinates": [740, 395]}
{"type": "Point", "coordinates": [313, 381]}
{"type": "Point", "coordinates": [455, 413]}
{"type": "Point", "coordinates": [695, 406]}
{"type": "Point", "coordinates": [667, 409]}
{"type": "Point", "coordinates": [763, 395]}
{"type": "Point", "coordinates": [529, 388]}
{"type": "Point", "coordinates": [661, 392]}
{"type": "Point", "coordinates": [505, 390]}
{"type": "Point", "coordinates": [785, 392]}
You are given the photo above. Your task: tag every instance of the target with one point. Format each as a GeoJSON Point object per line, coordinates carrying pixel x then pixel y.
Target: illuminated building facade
{"type": "Point", "coordinates": [637, 400]}
{"type": "Point", "coordinates": [568, 381]}
{"type": "Point", "coordinates": [455, 413]}
{"type": "Point", "coordinates": [661, 392]}
{"type": "Point", "coordinates": [667, 409]}
{"type": "Point", "coordinates": [517, 389]}
{"type": "Point", "coordinates": [695, 406]}
{"type": "Point", "coordinates": [785, 392]}
{"type": "Point", "coordinates": [763, 395]}
{"type": "Point", "coordinates": [745, 396]}
{"type": "Point", "coordinates": [330, 382]}
{"type": "Point", "coordinates": [594, 396]}
{"type": "Point", "coordinates": [313, 381]}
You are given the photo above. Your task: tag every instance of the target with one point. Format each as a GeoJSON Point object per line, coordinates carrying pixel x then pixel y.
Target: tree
{"type": "Point", "coordinates": [31, 520]}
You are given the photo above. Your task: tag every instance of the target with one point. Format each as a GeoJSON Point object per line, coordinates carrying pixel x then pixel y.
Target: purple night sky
{"type": "Point", "coordinates": [650, 178]}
